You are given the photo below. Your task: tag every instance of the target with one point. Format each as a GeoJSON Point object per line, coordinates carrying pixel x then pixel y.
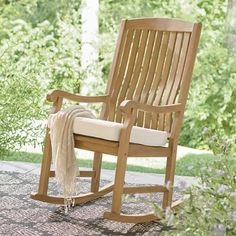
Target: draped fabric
{"type": "Point", "coordinates": [62, 141]}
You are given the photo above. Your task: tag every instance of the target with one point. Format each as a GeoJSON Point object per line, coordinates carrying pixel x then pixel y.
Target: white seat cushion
{"type": "Point", "coordinates": [111, 131]}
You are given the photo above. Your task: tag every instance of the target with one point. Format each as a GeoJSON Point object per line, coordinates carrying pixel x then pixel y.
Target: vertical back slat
{"type": "Point", "coordinates": [165, 119]}
{"type": "Point", "coordinates": [156, 55]}
{"type": "Point", "coordinates": [138, 65]}
{"type": "Point", "coordinates": [180, 69]}
{"type": "Point", "coordinates": [153, 60]}
{"type": "Point", "coordinates": [175, 61]}
{"type": "Point", "coordinates": [164, 76]}
{"type": "Point", "coordinates": [121, 69]}
{"type": "Point", "coordinates": [142, 88]}
{"type": "Point", "coordinates": [145, 66]}
{"type": "Point", "coordinates": [160, 66]}
{"type": "Point", "coordinates": [108, 111]}
{"type": "Point", "coordinates": [166, 70]}
{"type": "Point", "coordinates": [130, 68]}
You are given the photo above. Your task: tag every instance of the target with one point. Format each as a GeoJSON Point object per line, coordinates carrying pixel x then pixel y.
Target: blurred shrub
{"type": "Point", "coordinates": [211, 205]}
{"type": "Point", "coordinates": [37, 54]}
{"type": "Point", "coordinates": [213, 91]}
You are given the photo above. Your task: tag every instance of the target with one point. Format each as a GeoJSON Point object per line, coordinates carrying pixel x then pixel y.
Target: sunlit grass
{"type": "Point", "coordinates": [189, 165]}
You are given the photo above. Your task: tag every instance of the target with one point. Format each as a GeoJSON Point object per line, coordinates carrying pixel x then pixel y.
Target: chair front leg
{"type": "Point", "coordinates": [129, 118]}
{"type": "Point", "coordinates": [119, 180]}
{"type": "Point", "coordinates": [46, 165]}
{"type": "Point", "coordinates": [47, 156]}
{"type": "Point", "coordinates": [169, 177]}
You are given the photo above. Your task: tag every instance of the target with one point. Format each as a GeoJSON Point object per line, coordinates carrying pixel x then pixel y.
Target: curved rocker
{"type": "Point", "coordinates": [139, 218]}
{"type": "Point", "coordinates": [130, 218]}
{"type": "Point", "coordinates": [83, 198]}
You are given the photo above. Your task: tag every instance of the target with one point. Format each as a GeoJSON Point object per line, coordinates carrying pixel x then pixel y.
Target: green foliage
{"type": "Point", "coordinates": [212, 94]}
{"type": "Point", "coordinates": [191, 164]}
{"type": "Point", "coordinates": [211, 205]}
{"type": "Point", "coordinates": [36, 55]}
{"type": "Point", "coordinates": [24, 157]}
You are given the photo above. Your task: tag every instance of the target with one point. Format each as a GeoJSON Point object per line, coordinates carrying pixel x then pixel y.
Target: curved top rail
{"type": "Point", "coordinates": [161, 24]}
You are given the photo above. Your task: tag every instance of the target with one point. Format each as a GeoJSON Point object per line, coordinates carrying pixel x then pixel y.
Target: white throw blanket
{"type": "Point", "coordinates": [62, 141]}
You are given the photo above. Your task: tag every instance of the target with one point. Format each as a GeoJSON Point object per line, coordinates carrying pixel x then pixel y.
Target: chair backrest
{"type": "Point", "coordinates": [152, 64]}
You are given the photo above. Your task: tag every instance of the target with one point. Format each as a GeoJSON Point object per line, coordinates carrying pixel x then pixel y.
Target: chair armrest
{"type": "Point", "coordinates": [53, 95]}
{"type": "Point", "coordinates": [130, 108]}
{"type": "Point", "coordinates": [127, 105]}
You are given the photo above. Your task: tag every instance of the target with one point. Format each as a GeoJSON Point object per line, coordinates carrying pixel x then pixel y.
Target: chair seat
{"type": "Point", "coordinates": [111, 131]}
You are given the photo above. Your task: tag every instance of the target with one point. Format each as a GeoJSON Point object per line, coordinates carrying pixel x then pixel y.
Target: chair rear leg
{"type": "Point", "coordinates": [97, 165]}
{"type": "Point", "coordinates": [169, 178]}
{"type": "Point", "coordinates": [45, 166]}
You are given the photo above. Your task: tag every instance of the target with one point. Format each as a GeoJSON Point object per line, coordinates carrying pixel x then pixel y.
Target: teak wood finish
{"type": "Point", "coordinates": [147, 87]}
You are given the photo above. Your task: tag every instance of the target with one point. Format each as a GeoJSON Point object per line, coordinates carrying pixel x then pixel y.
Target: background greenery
{"type": "Point", "coordinates": [40, 50]}
{"type": "Point", "coordinates": [209, 207]}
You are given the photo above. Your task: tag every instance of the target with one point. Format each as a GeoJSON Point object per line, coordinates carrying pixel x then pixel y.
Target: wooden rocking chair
{"type": "Point", "coordinates": [142, 110]}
